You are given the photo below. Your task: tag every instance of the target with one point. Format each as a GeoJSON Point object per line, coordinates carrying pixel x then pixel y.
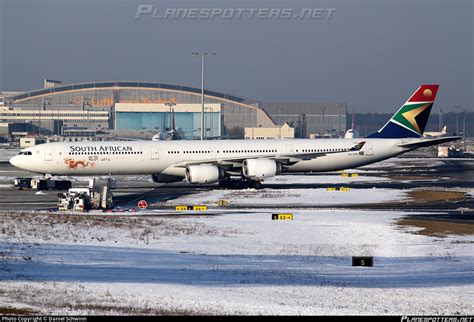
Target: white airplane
{"type": "Point", "coordinates": [351, 134]}
{"type": "Point", "coordinates": [172, 133]}
{"type": "Point", "coordinates": [251, 161]}
{"type": "Point", "coordinates": [443, 132]}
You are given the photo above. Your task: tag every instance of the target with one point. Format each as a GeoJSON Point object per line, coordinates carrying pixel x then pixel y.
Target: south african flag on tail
{"type": "Point", "coordinates": [410, 120]}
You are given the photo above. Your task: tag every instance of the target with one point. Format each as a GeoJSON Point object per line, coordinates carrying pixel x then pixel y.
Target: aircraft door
{"type": "Point", "coordinates": [369, 149]}
{"type": "Point", "coordinates": [290, 148]}
{"type": "Point", "coordinates": [48, 154]}
{"type": "Point", "coordinates": [155, 153]}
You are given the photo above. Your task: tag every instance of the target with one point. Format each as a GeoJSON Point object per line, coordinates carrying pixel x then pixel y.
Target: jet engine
{"type": "Point", "coordinates": [165, 178]}
{"type": "Point", "coordinates": [259, 169]}
{"type": "Point", "coordinates": [203, 174]}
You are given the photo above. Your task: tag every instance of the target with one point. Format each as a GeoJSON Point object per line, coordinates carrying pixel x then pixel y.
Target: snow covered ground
{"type": "Point", "coordinates": [291, 197]}
{"type": "Point", "coordinates": [239, 263]}
{"type": "Point", "coordinates": [335, 178]}
{"type": "Point", "coordinates": [408, 163]}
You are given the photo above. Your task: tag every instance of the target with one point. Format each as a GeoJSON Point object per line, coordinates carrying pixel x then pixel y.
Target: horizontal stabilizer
{"type": "Point", "coordinates": [428, 142]}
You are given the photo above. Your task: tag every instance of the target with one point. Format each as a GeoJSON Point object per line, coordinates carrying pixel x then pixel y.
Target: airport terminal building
{"type": "Point", "coordinates": [141, 109]}
{"type": "Point", "coordinates": [134, 106]}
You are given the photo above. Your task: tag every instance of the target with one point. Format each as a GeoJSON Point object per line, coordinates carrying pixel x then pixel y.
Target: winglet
{"type": "Point", "coordinates": [358, 146]}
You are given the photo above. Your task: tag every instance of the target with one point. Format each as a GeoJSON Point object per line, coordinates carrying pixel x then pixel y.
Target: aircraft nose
{"type": "Point", "coordinates": [14, 161]}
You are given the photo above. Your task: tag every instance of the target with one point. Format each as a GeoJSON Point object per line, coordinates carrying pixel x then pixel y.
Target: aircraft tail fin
{"type": "Point", "coordinates": [410, 120]}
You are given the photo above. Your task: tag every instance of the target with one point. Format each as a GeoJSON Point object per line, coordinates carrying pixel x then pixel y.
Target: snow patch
{"type": "Point", "coordinates": [290, 197]}
{"type": "Point", "coordinates": [239, 263]}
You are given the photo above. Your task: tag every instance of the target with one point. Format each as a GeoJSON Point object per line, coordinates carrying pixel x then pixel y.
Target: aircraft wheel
{"type": "Point", "coordinates": [236, 184]}
{"type": "Point", "coordinates": [256, 184]}
{"type": "Point", "coordinates": [225, 184]}
{"type": "Point", "coordinates": [244, 184]}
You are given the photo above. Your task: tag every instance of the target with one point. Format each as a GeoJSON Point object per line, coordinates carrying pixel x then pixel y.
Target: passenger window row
{"type": "Point", "coordinates": [226, 151]}
{"type": "Point", "coordinates": [250, 151]}
{"type": "Point", "coordinates": [102, 153]}
{"type": "Point", "coordinates": [323, 150]}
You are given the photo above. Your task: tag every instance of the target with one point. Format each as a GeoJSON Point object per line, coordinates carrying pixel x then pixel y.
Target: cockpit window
{"type": "Point", "coordinates": [25, 153]}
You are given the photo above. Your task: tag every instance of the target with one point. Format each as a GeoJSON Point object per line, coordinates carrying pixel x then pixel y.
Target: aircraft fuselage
{"type": "Point", "coordinates": [152, 157]}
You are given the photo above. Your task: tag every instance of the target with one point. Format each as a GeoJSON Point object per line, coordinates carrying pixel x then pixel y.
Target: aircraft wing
{"type": "Point", "coordinates": [292, 158]}
{"type": "Point", "coordinates": [286, 158]}
{"type": "Point", "coordinates": [428, 142]}
{"type": "Point", "coordinates": [237, 161]}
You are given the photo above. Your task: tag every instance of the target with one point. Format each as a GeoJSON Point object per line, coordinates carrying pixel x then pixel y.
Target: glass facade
{"type": "Point", "coordinates": [236, 113]}
{"type": "Point", "coordinates": [190, 123]}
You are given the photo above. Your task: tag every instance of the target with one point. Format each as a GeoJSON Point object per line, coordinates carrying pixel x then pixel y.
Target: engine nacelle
{"type": "Point", "coordinates": [259, 169]}
{"type": "Point", "coordinates": [203, 174]}
{"type": "Point", "coordinates": [165, 178]}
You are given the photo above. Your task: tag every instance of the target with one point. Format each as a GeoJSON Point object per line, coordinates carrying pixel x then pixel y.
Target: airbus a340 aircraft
{"type": "Point", "coordinates": [250, 160]}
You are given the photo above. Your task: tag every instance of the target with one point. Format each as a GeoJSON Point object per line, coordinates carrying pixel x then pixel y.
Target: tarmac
{"type": "Point", "coordinates": [443, 175]}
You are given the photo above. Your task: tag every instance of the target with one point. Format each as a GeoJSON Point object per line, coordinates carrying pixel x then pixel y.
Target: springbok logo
{"type": "Point", "coordinates": [73, 164]}
{"type": "Point", "coordinates": [413, 116]}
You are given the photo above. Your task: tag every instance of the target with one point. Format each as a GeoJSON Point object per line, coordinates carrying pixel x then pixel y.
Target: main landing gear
{"type": "Point", "coordinates": [242, 183]}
